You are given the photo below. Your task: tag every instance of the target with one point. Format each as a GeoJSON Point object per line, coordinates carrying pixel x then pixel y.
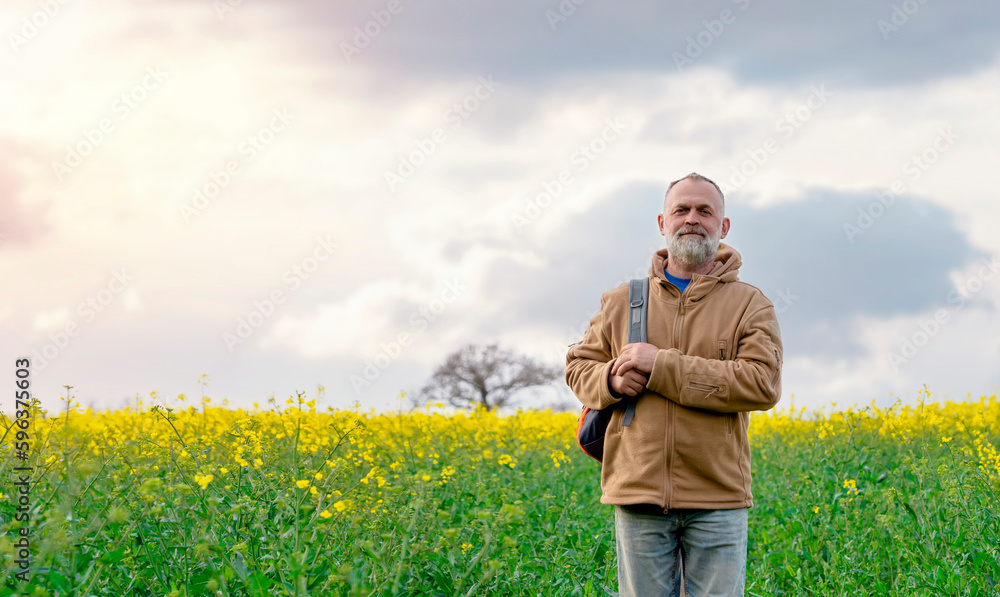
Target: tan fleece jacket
{"type": "Point", "coordinates": [719, 357]}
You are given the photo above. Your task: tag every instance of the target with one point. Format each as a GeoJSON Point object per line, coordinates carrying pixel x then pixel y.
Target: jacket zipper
{"type": "Point", "coordinates": [669, 450]}
{"type": "Point", "coordinates": [703, 386]}
{"type": "Point", "coordinates": [678, 322]}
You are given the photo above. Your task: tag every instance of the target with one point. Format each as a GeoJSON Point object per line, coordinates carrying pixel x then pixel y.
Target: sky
{"type": "Point", "coordinates": [288, 196]}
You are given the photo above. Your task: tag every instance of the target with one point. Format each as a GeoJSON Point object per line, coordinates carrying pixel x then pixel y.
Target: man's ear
{"type": "Point", "coordinates": [659, 222]}
{"type": "Point", "coordinates": [725, 228]}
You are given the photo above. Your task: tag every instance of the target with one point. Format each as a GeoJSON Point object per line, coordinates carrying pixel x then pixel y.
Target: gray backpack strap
{"type": "Point", "coordinates": [638, 303]}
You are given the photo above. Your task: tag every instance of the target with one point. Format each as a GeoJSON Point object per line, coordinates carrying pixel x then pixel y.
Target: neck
{"type": "Point", "coordinates": [680, 271]}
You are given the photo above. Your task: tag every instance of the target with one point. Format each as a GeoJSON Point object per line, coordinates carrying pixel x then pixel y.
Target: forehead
{"type": "Point", "coordinates": [693, 194]}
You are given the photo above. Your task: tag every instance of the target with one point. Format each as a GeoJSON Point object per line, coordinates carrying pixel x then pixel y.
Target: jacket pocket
{"type": "Point", "coordinates": [704, 387]}
{"type": "Point", "coordinates": [777, 368]}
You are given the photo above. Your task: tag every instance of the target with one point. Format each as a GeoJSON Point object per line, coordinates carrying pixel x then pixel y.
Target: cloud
{"type": "Point", "coordinates": [855, 42]}
{"type": "Point", "coordinates": [578, 258]}
{"type": "Point", "coordinates": [21, 223]}
{"type": "Point", "coordinates": [826, 260]}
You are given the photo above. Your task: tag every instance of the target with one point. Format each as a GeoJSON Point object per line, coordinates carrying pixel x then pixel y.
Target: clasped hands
{"type": "Point", "coordinates": [630, 371]}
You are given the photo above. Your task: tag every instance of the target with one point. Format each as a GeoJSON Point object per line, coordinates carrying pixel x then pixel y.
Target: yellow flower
{"type": "Point", "coordinates": [203, 480]}
{"type": "Point", "coordinates": [341, 505]}
{"type": "Point", "coordinates": [815, 509]}
{"type": "Point", "coordinates": [466, 547]}
{"type": "Point", "coordinates": [506, 460]}
{"type": "Point", "coordinates": [325, 514]}
{"type": "Point", "coordinates": [303, 483]}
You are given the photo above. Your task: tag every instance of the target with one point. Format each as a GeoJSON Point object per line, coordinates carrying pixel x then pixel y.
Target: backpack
{"type": "Point", "coordinates": [593, 424]}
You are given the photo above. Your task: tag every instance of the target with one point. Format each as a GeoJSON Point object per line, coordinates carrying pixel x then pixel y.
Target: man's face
{"type": "Point", "coordinates": [692, 223]}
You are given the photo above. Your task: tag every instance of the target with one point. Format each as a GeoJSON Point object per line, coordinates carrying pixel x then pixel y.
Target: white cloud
{"type": "Point", "coordinates": [452, 219]}
{"type": "Point", "coordinates": [49, 320]}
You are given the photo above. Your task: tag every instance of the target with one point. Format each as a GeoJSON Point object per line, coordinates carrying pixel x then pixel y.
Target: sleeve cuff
{"type": "Point", "coordinates": [606, 396]}
{"type": "Point", "coordinates": [662, 379]}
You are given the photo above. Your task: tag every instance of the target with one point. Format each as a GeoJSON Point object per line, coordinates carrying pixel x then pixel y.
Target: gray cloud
{"type": "Point", "coordinates": [589, 254]}
{"type": "Point", "coordinates": [770, 42]}
{"type": "Point", "coordinates": [898, 263]}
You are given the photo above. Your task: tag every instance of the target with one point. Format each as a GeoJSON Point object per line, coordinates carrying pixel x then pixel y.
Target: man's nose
{"type": "Point", "coordinates": [692, 219]}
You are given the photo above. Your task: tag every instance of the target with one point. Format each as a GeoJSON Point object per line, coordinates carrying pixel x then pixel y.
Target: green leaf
{"type": "Point", "coordinates": [113, 557]}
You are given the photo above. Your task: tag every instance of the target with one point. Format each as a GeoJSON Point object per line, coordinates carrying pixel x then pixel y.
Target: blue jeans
{"type": "Point", "coordinates": [651, 547]}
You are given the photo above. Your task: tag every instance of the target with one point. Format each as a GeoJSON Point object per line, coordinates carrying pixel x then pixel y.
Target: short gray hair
{"type": "Point", "coordinates": [698, 177]}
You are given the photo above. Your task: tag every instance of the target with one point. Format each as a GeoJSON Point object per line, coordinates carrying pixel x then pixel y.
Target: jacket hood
{"type": "Point", "coordinates": [726, 269]}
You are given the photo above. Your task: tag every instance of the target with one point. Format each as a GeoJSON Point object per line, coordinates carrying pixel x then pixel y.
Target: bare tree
{"type": "Point", "coordinates": [487, 376]}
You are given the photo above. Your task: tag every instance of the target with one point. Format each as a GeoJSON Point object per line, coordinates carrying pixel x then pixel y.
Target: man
{"type": "Point", "coordinates": [679, 473]}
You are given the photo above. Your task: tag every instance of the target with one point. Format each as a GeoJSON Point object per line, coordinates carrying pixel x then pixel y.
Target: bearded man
{"type": "Point", "coordinates": [678, 473]}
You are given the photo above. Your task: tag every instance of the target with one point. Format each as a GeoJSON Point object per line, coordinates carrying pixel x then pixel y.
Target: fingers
{"type": "Point", "coordinates": [636, 386]}
{"type": "Point", "coordinates": [631, 382]}
{"type": "Point", "coordinates": [623, 357]}
{"type": "Point", "coordinates": [636, 375]}
{"type": "Point", "coordinates": [622, 365]}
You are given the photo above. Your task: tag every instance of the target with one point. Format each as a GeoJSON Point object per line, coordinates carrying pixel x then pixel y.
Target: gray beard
{"type": "Point", "coordinates": [692, 252]}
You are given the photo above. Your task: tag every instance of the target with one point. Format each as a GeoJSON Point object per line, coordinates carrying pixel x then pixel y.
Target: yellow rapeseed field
{"type": "Point", "coordinates": [198, 499]}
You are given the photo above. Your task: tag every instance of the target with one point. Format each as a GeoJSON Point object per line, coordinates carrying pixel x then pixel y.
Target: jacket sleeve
{"type": "Point", "coordinates": [751, 381]}
{"type": "Point", "coordinates": [588, 363]}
